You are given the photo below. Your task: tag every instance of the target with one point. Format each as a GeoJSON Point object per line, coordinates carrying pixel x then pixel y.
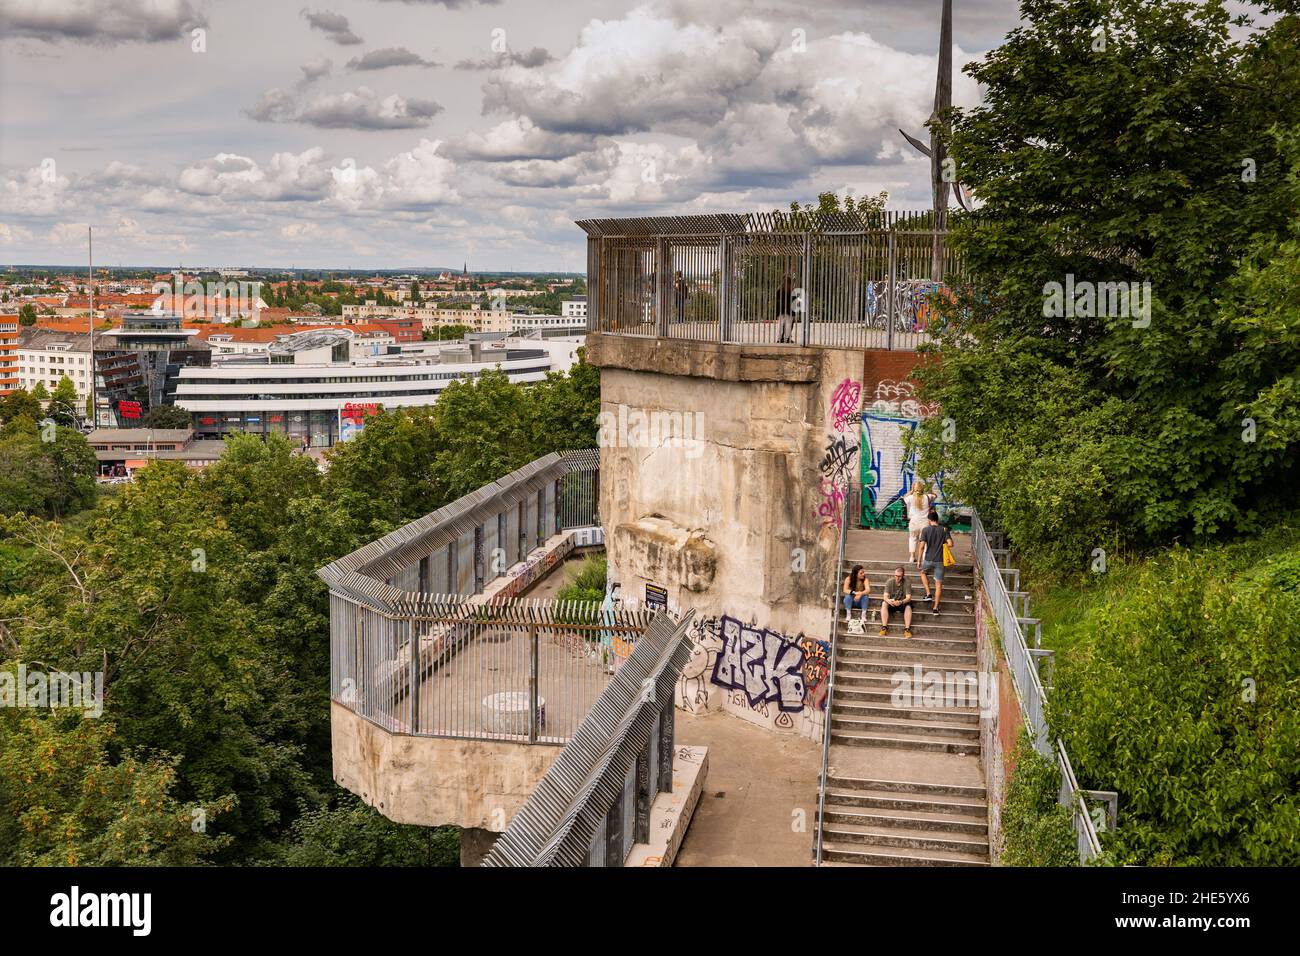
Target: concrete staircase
{"type": "Point", "coordinates": [904, 785]}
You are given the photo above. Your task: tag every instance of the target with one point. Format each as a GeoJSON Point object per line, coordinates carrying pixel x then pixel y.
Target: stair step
{"type": "Point", "coordinates": [900, 741]}
{"type": "Point", "coordinates": [895, 640]}
{"type": "Point", "coordinates": [910, 655]}
{"type": "Point", "coordinates": [907, 803]}
{"type": "Point", "coordinates": [910, 838]}
{"type": "Point", "coordinates": [908, 820]}
{"type": "Point", "coordinates": [837, 854]}
{"type": "Point", "coordinates": [851, 665]}
{"type": "Point", "coordinates": [915, 787]}
{"type": "Point", "coordinates": [908, 728]}
{"type": "Point", "coordinates": [965, 716]}
{"type": "Point", "coordinates": [961, 627]}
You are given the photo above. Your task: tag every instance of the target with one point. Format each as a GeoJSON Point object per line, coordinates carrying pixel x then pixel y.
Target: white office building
{"type": "Point", "coordinates": [313, 391]}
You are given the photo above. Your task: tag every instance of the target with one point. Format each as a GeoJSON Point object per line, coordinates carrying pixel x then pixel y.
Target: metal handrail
{"type": "Point", "coordinates": [1022, 666]}
{"type": "Point", "coordinates": [830, 685]}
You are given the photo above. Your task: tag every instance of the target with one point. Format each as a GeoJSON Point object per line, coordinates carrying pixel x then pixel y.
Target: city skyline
{"type": "Point", "coordinates": [383, 134]}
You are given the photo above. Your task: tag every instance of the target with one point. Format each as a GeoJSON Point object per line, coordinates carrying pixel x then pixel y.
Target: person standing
{"type": "Point", "coordinates": [919, 502]}
{"type": "Point", "coordinates": [897, 597]}
{"type": "Point", "coordinates": [933, 538]}
{"type": "Point", "coordinates": [785, 310]}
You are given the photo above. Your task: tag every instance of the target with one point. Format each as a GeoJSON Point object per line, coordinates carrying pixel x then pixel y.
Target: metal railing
{"type": "Point", "coordinates": [418, 647]}
{"type": "Point", "coordinates": [449, 666]}
{"type": "Point", "coordinates": [1022, 663]}
{"type": "Point", "coordinates": [594, 802]}
{"type": "Point", "coordinates": [846, 514]}
{"type": "Point", "coordinates": [838, 281]}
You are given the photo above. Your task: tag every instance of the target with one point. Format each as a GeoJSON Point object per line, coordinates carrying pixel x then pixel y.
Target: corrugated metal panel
{"type": "Point", "coordinates": [555, 826]}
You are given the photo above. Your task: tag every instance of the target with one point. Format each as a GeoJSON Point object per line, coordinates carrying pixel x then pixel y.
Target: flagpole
{"type": "Point", "coordinates": [90, 266]}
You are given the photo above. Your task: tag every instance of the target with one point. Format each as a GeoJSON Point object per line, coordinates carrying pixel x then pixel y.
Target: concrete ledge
{"type": "Point", "coordinates": [722, 361]}
{"type": "Point", "coordinates": [670, 814]}
{"type": "Point", "coordinates": [432, 781]}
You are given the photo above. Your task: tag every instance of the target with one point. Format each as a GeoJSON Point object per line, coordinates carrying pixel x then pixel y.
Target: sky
{"type": "Point", "coordinates": [413, 134]}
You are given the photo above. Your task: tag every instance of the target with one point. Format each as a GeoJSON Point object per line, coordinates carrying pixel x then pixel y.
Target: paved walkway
{"type": "Point", "coordinates": [756, 780]}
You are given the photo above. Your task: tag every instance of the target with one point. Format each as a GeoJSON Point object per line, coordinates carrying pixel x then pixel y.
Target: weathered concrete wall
{"type": "Point", "coordinates": [741, 523]}
{"type": "Point", "coordinates": [433, 781]}
{"type": "Point", "coordinates": [1000, 728]}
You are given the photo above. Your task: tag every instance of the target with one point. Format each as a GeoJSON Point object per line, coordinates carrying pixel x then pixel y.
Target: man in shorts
{"type": "Point", "coordinates": [897, 597]}
{"type": "Point", "coordinates": [933, 537]}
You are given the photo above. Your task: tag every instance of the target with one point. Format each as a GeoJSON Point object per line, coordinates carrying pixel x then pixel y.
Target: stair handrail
{"type": "Point", "coordinates": [830, 681]}
{"type": "Point", "coordinates": [1031, 696]}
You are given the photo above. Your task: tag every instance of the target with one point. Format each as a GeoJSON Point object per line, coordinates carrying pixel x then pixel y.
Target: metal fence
{"type": "Point", "coordinates": [1022, 662]}
{"type": "Point", "coordinates": [594, 802]}
{"type": "Point", "coordinates": [448, 666]}
{"type": "Point", "coordinates": [418, 648]}
{"type": "Point", "coordinates": [770, 278]}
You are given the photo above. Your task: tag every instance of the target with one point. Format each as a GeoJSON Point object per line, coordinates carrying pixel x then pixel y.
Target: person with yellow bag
{"type": "Point", "coordinates": [938, 555]}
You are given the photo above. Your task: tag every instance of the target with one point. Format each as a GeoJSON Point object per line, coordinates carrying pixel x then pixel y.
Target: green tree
{"type": "Point", "coordinates": [40, 392]}
{"type": "Point", "coordinates": [167, 416]}
{"type": "Point", "coordinates": [65, 800]}
{"type": "Point", "coordinates": [27, 314]}
{"type": "Point", "coordinates": [1120, 163]}
{"type": "Point", "coordinates": [19, 404]}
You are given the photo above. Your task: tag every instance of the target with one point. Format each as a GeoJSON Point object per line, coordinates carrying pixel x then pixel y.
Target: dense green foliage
{"type": "Point", "coordinates": [588, 583]}
{"type": "Point", "coordinates": [195, 594]}
{"type": "Point", "coordinates": [166, 416]}
{"type": "Point", "coordinates": [1036, 829]}
{"type": "Point", "coordinates": [1169, 157]}
{"type": "Point", "coordinates": [46, 469]}
{"type": "Point", "coordinates": [1182, 698]}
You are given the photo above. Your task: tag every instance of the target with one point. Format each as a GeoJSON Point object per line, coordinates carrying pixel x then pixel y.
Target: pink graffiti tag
{"type": "Point", "coordinates": [844, 403]}
{"type": "Point", "coordinates": [832, 502]}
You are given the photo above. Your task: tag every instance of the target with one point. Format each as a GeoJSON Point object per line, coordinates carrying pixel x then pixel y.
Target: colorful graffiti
{"type": "Point", "coordinates": [844, 403]}
{"type": "Point", "coordinates": [816, 671]}
{"type": "Point", "coordinates": [887, 469]}
{"type": "Point", "coordinates": [914, 309]}
{"type": "Point", "coordinates": [756, 673]}
{"type": "Point", "coordinates": [766, 665]}
{"type": "Point", "coordinates": [838, 460]}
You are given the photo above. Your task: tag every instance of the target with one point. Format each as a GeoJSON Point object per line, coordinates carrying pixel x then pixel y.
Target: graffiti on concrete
{"type": "Point", "coordinates": [816, 671]}
{"type": "Point", "coordinates": [693, 685]}
{"type": "Point", "coordinates": [837, 463]}
{"type": "Point", "coordinates": [766, 665]}
{"type": "Point", "coordinates": [887, 468]}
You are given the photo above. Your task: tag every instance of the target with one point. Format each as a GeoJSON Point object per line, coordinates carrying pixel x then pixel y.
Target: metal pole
{"type": "Point", "coordinates": [889, 291]}
{"type": "Point", "coordinates": [805, 300]}
{"type": "Point", "coordinates": [532, 684]}
{"type": "Point", "coordinates": [90, 269]}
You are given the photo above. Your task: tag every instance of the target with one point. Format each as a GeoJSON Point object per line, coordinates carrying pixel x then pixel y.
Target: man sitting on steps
{"type": "Point", "coordinates": [933, 537]}
{"type": "Point", "coordinates": [898, 595]}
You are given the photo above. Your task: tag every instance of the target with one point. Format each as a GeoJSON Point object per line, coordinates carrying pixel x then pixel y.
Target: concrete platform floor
{"type": "Point", "coordinates": [757, 779]}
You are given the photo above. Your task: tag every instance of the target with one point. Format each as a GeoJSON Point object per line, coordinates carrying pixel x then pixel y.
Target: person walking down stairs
{"type": "Point", "coordinates": [933, 538]}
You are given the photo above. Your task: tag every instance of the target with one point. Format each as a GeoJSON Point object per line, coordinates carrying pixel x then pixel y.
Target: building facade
{"type": "Point", "coordinates": [46, 357]}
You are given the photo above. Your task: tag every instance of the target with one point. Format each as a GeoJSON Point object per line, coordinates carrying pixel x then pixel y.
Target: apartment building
{"type": "Point", "coordinates": [9, 361]}
{"type": "Point", "coordinates": [46, 356]}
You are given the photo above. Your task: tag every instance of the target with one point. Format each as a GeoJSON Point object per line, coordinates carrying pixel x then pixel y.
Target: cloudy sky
{"type": "Point", "coordinates": [413, 133]}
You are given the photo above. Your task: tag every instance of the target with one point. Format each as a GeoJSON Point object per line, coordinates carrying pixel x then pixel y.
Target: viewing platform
{"type": "Point", "coordinates": [850, 281]}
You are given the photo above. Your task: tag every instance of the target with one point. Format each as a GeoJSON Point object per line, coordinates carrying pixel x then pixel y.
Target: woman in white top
{"type": "Point", "coordinates": [919, 502]}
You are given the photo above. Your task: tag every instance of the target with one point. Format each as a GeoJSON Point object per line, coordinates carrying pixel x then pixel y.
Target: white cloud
{"type": "Point", "coordinates": [104, 22]}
